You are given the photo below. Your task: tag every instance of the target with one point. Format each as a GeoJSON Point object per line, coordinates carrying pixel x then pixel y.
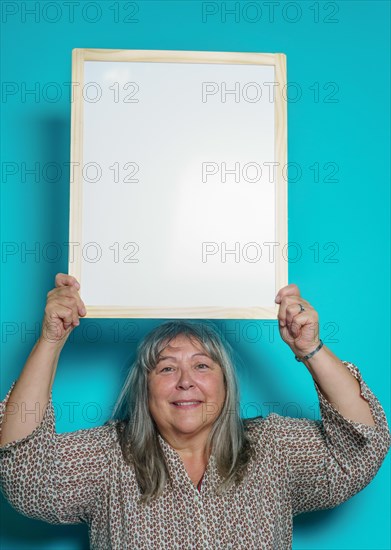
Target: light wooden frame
{"type": "Point", "coordinates": [278, 60]}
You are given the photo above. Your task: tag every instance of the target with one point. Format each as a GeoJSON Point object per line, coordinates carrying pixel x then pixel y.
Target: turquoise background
{"type": "Point", "coordinates": [342, 47]}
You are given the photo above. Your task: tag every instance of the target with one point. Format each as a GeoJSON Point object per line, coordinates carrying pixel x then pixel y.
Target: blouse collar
{"type": "Point", "coordinates": [180, 478]}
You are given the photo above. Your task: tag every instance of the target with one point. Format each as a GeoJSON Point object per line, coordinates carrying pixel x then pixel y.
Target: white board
{"type": "Point", "coordinates": [177, 194]}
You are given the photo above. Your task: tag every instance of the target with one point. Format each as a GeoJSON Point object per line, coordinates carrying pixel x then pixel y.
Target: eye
{"type": "Point", "coordinates": [165, 368]}
{"type": "Point", "coordinates": [203, 365]}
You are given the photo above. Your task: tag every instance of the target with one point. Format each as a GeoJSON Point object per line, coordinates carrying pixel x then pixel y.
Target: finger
{"type": "Point", "coordinates": [298, 323]}
{"type": "Point", "coordinates": [294, 309]}
{"type": "Point", "coordinates": [75, 304]}
{"type": "Point", "coordinates": [304, 325]}
{"type": "Point", "coordinates": [289, 301]}
{"type": "Point", "coordinates": [61, 312]}
{"type": "Point", "coordinates": [68, 292]}
{"type": "Point", "coordinates": [69, 297]}
{"type": "Point", "coordinates": [289, 290]}
{"type": "Point", "coordinates": [62, 279]}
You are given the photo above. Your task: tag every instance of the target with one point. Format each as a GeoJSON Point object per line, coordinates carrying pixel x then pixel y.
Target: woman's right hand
{"type": "Point", "coordinates": [62, 311]}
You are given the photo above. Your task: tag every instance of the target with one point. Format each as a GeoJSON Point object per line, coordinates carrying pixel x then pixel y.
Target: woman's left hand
{"type": "Point", "coordinates": [298, 328]}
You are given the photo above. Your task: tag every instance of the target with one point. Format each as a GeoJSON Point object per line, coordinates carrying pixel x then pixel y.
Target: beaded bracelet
{"type": "Point", "coordinates": [310, 354]}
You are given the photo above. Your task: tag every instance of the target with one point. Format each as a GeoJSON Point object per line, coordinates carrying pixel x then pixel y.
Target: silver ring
{"type": "Point", "coordinates": [301, 307]}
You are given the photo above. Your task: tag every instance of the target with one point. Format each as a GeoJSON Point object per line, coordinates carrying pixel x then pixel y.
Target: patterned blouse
{"type": "Point", "coordinates": [300, 465]}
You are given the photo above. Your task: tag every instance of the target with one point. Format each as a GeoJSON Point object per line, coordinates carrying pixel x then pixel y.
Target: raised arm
{"type": "Point", "coordinates": [299, 328]}
{"type": "Point", "coordinates": [32, 389]}
{"type": "Point", "coordinates": [57, 478]}
{"type": "Point", "coordinates": [330, 460]}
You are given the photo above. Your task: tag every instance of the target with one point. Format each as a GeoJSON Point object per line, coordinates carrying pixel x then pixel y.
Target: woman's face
{"type": "Point", "coordinates": [185, 373]}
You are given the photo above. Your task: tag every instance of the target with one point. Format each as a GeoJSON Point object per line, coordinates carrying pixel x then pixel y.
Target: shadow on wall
{"type": "Point", "coordinates": [53, 134]}
{"type": "Point", "coordinates": [311, 522]}
{"type": "Point", "coordinates": [24, 532]}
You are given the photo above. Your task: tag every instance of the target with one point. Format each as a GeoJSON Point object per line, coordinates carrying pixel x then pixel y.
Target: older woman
{"type": "Point", "coordinates": [179, 468]}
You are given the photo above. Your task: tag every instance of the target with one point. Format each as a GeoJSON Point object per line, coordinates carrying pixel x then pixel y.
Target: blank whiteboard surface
{"type": "Point", "coordinates": [178, 204]}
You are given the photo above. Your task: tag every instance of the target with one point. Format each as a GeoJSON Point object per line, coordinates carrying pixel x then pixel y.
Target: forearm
{"type": "Point", "coordinates": [339, 386]}
{"type": "Point", "coordinates": [30, 395]}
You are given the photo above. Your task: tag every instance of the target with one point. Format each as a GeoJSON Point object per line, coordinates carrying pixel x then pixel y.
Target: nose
{"type": "Point", "coordinates": [185, 381]}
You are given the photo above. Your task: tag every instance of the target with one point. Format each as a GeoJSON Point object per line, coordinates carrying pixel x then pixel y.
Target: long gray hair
{"type": "Point", "coordinates": [137, 431]}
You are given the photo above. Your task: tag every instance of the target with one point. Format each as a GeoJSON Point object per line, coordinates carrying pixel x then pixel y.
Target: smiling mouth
{"type": "Point", "coordinates": [186, 404]}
